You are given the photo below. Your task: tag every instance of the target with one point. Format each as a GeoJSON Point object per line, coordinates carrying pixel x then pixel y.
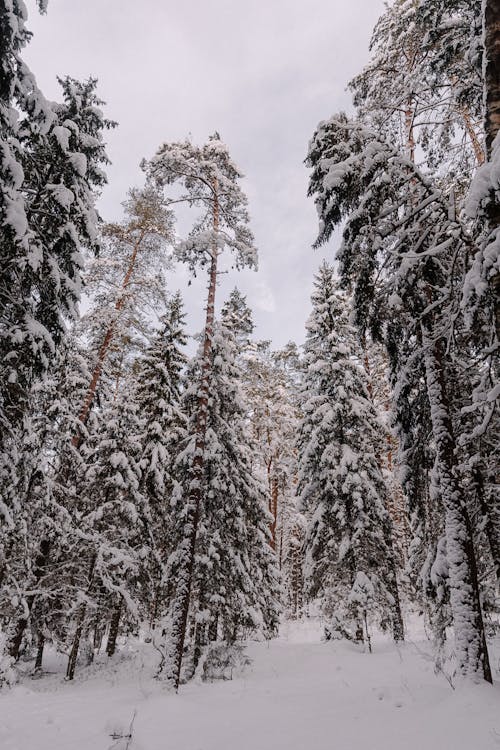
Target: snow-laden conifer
{"type": "Point", "coordinates": [235, 579]}
{"type": "Point", "coordinates": [350, 562]}
{"type": "Point", "coordinates": [158, 394]}
{"type": "Point", "coordinates": [400, 243]}
{"type": "Point", "coordinates": [51, 166]}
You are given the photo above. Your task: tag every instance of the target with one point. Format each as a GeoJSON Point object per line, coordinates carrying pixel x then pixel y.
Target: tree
{"type": "Point", "coordinates": [429, 52]}
{"type": "Point", "coordinates": [158, 396]}
{"type": "Point", "coordinates": [210, 179]}
{"type": "Point", "coordinates": [350, 562]}
{"type": "Point", "coordinates": [235, 580]}
{"type": "Point", "coordinates": [40, 494]}
{"type": "Point", "coordinates": [127, 282]}
{"type": "Point", "coordinates": [51, 168]}
{"type": "Point", "coordinates": [270, 390]}
{"type": "Point", "coordinates": [398, 244]}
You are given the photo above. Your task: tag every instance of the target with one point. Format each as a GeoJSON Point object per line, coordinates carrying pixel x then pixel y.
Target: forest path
{"type": "Point", "coordinates": [298, 694]}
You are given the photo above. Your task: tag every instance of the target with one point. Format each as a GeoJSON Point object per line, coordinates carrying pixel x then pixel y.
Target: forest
{"type": "Point", "coordinates": [168, 508]}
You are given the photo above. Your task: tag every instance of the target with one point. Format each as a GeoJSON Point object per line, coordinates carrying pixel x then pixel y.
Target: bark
{"type": "Point", "coordinates": [492, 70]}
{"type": "Point", "coordinates": [73, 656]}
{"type": "Point", "coordinates": [108, 338]}
{"type": "Point", "coordinates": [114, 628]}
{"type": "Point", "coordinates": [470, 639]}
{"type": "Point", "coordinates": [186, 569]}
{"type": "Point", "coordinates": [98, 634]}
{"type": "Point", "coordinates": [478, 149]}
{"type": "Point", "coordinates": [398, 631]}
{"type": "Point", "coordinates": [274, 509]}
{"type": "Point", "coordinates": [492, 119]}
{"type": "Point", "coordinates": [39, 653]}
{"type": "Point", "coordinates": [410, 133]}
{"type": "Point", "coordinates": [213, 629]}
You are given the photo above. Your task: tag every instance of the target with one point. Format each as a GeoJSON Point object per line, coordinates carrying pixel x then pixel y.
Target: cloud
{"type": "Point", "coordinates": [263, 73]}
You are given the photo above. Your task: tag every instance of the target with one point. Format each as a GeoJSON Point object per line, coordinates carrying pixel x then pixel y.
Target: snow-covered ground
{"type": "Point", "coordinates": [298, 694]}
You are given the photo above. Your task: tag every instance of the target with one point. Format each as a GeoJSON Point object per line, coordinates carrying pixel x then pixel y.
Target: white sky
{"type": "Point", "coordinates": [261, 72]}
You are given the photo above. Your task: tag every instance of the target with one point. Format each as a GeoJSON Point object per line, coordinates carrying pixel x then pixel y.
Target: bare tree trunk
{"type": "Point", "coordinates": [492, 70]}
{"type": "Point", "coordinates": [114, 628]}
{"type": "Point", "coordinates": [274, 509]}
{"type": "Point", "coordinates": [478, 149]}
{"type": "Point", "coordinates": [492, 120]}
{"type": "Point", "coordinates": [39, 653]}
{"type": "Point", "coordinates": [186, 569]}
{"type": "Point", "coordinates": [470, 638]}
{"type": "Point", "coordinates": [73, 656]}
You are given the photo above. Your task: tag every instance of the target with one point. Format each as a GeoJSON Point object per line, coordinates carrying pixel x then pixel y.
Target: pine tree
{"type": "Point", "coordinates": [238, 317]}
{"type": "Point", "coordinates": [429, 51]}
{"type": "Point", "coordinates": [350, 562]}
{"type": "Point", "coordinates": [127, 284]}
{"type": "Point", "coordinates": [210, 181]}
{"type": "Point", "coordinates": [40, 492]}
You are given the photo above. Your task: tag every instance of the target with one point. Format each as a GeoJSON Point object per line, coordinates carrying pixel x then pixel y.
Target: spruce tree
{"type": "Point", "coordinates": [158, 394]}
{"type": "Point", "coordinates": [51, 168]}
{"type": "Point", "coordinates": [350, 561]}
{"type": "Point", "coordinates": [235, 580]}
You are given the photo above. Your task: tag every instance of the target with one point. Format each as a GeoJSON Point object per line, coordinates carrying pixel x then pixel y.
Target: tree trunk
{"type": "Point", "coordinates": [492, 70]}
{"type": "Point", "coordinates": [73, 656]}
{"type": "Point", "coordinates": [492, 120]}
{"type": "Point", "coordinates": [470, 639]}
{"type": "Point", "coordinates": [21, 624]}
{"type": "Point", "coordinates": [103, 350]}
{"type": "Point", "coordinates": [398, 631]}
{"type": "Point", "coordinates": [274, 510]}
{"type": "Point", "coordinates": [70, 671]}
{"type": "Point", "coordinates": [114, 628]}
{"type": "Point", "coordinates": [185, 572]}
{"type": "Point", "coordinates": [39, 653]}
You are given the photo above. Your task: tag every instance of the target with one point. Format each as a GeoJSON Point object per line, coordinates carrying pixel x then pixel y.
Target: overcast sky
{"type": "Point", "coordinates": [261, 72]}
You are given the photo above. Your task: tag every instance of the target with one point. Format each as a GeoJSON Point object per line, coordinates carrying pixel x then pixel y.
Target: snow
{"type": "Point", "coordinates": [298, 693]}
{"type": "Point", "coordinates": [79, 163]}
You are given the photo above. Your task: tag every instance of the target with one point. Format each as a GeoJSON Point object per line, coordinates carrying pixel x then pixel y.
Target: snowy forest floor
{"type": "Point", "coordinates": [297, 694]}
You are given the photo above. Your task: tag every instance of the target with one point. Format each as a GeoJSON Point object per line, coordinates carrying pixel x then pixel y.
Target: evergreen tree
{"type": "Point", "coordinates": [349, 557]}
{"type": "Point", "coordinates": [158, 397]}
{"type": "Point", "coordinates": [38, 531]}
{"type": "Point", "coordinates": [235, 580]}
{"type": "Point", "coordinates": [111, 524]}
{"type": "Point", "coordinates": [51, 166]}
{"type": "Point", "coordinates": [399, 245]}
{"type": "Point", "coordinates": [237, 316]}
{"type": "Point", "coordinates": [210, 180]}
